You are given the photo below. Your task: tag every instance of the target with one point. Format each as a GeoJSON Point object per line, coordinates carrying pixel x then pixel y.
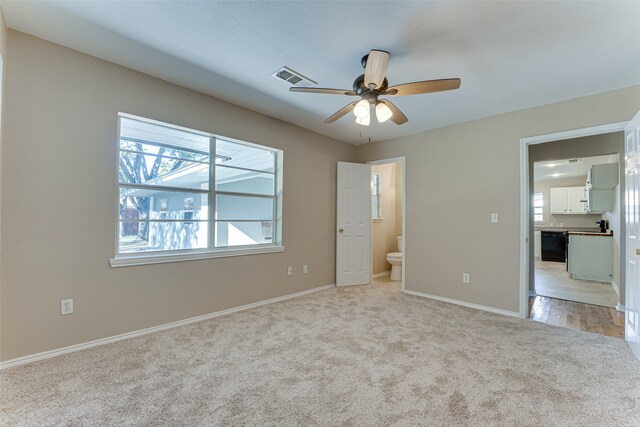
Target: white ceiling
{"type": "Point", "coordinates": [562, 169]}
{"type": "Point", "coordinates": [509, 55]}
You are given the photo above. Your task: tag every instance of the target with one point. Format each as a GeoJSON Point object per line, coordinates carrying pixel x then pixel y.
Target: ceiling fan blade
{"type": "Point", "coordinates": [342, 112]}
{"type": "Point", "coordinates": [323, 91]}
{"type": "Point", "coordinates": [398, 116]}
{"type": "Point", "coordinates": [376, 69]}
{"type": "Point", "coordinates": [427, 86]}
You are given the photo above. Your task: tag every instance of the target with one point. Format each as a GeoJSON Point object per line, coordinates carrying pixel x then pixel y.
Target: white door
{"type": "Point", "coordinates": [353, 221]}
{"type": "Point", "coordinates": [632, 171]}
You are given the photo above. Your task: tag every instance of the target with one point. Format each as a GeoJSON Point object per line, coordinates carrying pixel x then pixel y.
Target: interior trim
{"type": "Point", "coordinates": [129, 260]}
{"type": "Point", "coordinates": [524, 195]}
{"type": "Point", "coordinates": [465, 304]}
{"type": "Point", "coordinates": [78, 347]}
{"type": "Point", "coordinates": [615, 287]}
{"type": "Point", "coordinates": [384, 273]}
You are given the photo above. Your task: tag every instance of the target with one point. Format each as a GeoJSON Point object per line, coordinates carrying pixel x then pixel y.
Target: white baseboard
{"type": "Point", "coordinates": [615, 287]}
{"type": "Point", "coordinates": [78, 347]}
{"type": "Point", "coordinates": [533, 294]}
{"type": "Point", "coordinates": [465, 304]}
{"type": "Point", "coordinates": [384, 273]}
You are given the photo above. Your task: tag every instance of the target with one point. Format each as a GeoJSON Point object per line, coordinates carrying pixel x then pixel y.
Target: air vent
{"type": "Point", "coordinates": [574, 160]}
{"type": "Point", "coordinates": [293, 77]}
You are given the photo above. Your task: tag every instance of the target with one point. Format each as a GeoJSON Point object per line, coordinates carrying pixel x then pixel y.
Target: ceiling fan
{"type": "Point", "coordinates": [373, 84]}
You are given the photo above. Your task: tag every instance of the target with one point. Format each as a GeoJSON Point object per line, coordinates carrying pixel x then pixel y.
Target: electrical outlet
{"type": "Point", "coordinates": [289, 271]}
{"type": "Point", "coordinates": [494, 217]}
{"type": "Point", "coordinates": [66, 306]}
{"type": "Point", "coordinates": [466, 278]}
{"type": "Point", "coordinates": [305, 269]}
{"type": "Point", "coordinates": [562, 224]}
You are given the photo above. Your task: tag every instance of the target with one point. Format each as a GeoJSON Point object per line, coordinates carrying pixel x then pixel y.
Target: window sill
{"type": "Point", "coordinates": [135, 259]}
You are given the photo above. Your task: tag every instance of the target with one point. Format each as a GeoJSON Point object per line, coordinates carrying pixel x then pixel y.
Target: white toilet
{"type": "Point", "coordinates": [395, 259]}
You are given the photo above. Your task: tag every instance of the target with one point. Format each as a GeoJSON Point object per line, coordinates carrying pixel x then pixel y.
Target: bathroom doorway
{"type": "Point", "coordinates": [388, 239]}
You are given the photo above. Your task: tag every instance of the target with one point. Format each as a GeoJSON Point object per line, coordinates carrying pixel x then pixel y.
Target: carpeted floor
{"type": "Point", "coordinates": [366, 355]}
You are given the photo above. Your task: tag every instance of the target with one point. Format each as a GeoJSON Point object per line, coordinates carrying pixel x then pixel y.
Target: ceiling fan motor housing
{"type": "Point", "coordinates": [361, 89]}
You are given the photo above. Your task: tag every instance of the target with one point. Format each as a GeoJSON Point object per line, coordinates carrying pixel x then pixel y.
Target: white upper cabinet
{"type": "Point", "coordinates": [559, 201]}
{"type": "Point", "coordinates": [601, 181]}
{"type": "Point", "coordinates": [599, 201]}
{"type": "Point", "coordinates": [577, 200]}
{"type": "Point", "coordinates": [568, 200]}
{"type": "Point", "coordinates": [602, 177]}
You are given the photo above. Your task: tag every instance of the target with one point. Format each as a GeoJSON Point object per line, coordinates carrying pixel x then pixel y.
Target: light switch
{"type": "Point", "coordinates": [494, 217]}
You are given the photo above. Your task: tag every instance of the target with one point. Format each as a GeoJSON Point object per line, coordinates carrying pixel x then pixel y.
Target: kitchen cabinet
{"type": "Point", "coordinates": [576, 199]}
{"type": "Point", "coordinates": [591, 257]}
{"type": "Point", "coordinates": [568, 200]}
{"type": "Point", "coordinates": [601, 180]}
{"type": "Point", "coordinates": [602, 177]}
{"type": "Point", "coordinates": [599, 201]}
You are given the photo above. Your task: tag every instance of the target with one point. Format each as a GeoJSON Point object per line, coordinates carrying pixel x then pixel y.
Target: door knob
{"type": "Point", "coordinates": [340, 230]}
{"type": "Point", "coordinates": [637, 251]}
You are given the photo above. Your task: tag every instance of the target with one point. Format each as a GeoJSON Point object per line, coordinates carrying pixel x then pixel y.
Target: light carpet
{"type": "Point", "coordinates": [366, 355]}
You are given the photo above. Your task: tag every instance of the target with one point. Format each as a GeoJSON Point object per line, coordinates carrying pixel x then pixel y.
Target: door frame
{"type": "Point", "coordinates": [403, 161]}
{"type": "Point", "coordinates": [525, 195]}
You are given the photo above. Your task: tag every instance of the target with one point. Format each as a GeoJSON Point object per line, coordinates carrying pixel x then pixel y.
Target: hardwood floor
{"type": "Point", "coordinates": [584, 317]}
{"type": "Point", "coordinates": [553, 280]}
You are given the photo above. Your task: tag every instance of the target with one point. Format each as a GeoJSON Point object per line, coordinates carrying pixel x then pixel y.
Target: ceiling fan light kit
{"type": "Point", "coordinates": [383, 113]}
{"type": "Point", "coordinates": [373, 84]}
{"type": "Point", "coordinates": [364, 121]}
{"type": "Point", "coordinates": [361, 110]}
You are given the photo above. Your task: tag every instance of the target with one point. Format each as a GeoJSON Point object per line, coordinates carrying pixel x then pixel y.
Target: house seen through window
{"type": "Point", "coordinates": [182, 190]}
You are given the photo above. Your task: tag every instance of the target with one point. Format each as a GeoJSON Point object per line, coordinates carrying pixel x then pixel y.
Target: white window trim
{"type": "Point", "coordinates": [378, 196]}
{"type": "Point", "coordinates": [191, 255]}
{"type": "Point", "coordinates": [161, 257]}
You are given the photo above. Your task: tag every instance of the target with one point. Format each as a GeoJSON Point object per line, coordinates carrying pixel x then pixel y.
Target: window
{"type": "Point", "coordinates": [182, 191]}
{"type": "Point", "coordinates": [376, 196]}
{"type": "Point", "coordinates": [538, 205]}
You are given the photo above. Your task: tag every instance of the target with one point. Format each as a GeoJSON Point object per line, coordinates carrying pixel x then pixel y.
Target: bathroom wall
{"type": "Point", "coordinates": [386, 230]}
{"type": "Point", "coordinates": [398, 199]}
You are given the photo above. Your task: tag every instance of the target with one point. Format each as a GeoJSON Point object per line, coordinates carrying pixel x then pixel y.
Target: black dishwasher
{"type": "Point", "coordinates": [554, 246]}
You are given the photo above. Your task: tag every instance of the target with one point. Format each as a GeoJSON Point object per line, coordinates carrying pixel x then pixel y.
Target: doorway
{"type": "Point", "coordinates": [388, 243]}
{"type": "Point", "coordinates": [574, 265]}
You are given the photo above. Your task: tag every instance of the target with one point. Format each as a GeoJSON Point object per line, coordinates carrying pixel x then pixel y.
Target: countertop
{"type": "Point", "coordinates": [587, 233]}
{"type": "Point", "coordinates": [570, 229]}
{"type": "Point", "coordinates": [577, 231]}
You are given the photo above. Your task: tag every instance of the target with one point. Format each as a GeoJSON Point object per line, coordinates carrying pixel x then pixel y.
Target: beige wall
{"type": "Point", "coordinates": [457, 175]}
{"type": "Point", "coordinates": [596, 145]}
{"type": "Point", "coordinates": [385, 231]}
{"type": "Point", "coordinates": [58, 219]}
{"type": "Point", "coordinates": [59, 190]}
{"type": "Point", "coordinates": [3, 53]}
{"type": "Point", "coordinates": [562, 221]}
